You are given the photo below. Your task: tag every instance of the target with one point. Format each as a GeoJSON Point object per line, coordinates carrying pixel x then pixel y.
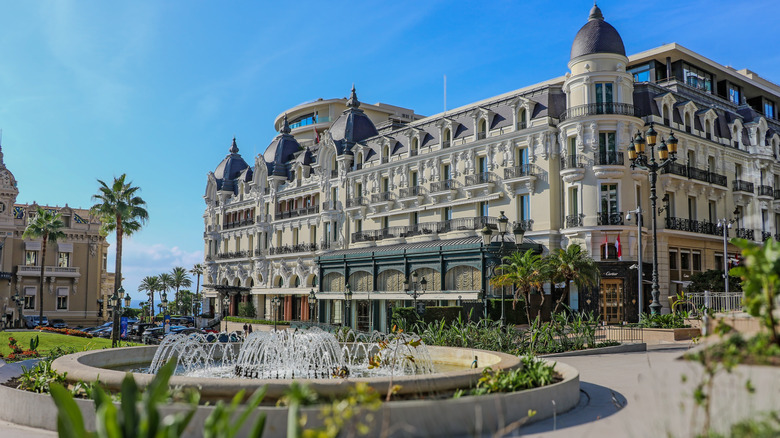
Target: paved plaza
{"type": "Point", "coordinates": [628, 395]}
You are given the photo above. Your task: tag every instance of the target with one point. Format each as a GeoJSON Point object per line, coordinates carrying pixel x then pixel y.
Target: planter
{"type": "Point", "coordinates": [670, 335]}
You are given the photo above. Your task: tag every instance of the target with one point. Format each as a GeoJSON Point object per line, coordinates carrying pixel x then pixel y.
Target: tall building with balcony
{"type": "Point", "coordinates": [370, 204]}
{"type": "Point", "coordinates": [73, 270]}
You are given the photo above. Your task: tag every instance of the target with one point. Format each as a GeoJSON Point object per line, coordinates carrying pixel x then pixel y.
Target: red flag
{"type": "Point", "coordinates": [619, 248]}
{"type": "Point", "coordinates": [316, 136]}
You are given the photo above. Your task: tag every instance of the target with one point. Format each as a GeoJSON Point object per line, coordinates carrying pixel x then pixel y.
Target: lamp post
{"type": "Point", "coordinates": [116, 307]}
{"type": "Point", "coordinates": [18, 300]}
{"type": "Point", "coordinates": [639, 270]}
{"type": "Point", "coordinates": [100, 307]}
{"type": "Point", "coordinates": [276, 301]}
{"type": "Point", "coordinates": [667, 154]}
{"type": "Point", "coordinates": [725, 224]}
{"type": "Point", "coordinates": [415, 288]}
{"type": "Point", "coordinates": [225, 302]}
{"type": "Point", "coordinates": [347, 304]}
{"type": "Point", "coordinates": [518, 229]}
{"type": "Point", "coordinates": [312, 304]}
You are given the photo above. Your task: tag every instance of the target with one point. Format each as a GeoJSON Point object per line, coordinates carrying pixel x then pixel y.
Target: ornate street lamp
{"type": "Point", "coordinates": [347, 303]}
{"type": "Point", "coordinates": [416, 289]}
{"type": "Point", "coordinates": [667, 154]}
{"type": "Point", "coordinates": [312, 304]}
{"type": "Point", "coordinates": [19, 301]}
{"type": "Point", "coordinates": [116, 304]}
{"type": "Point", "coordinates": [127, 300]}
{"type": "Point", "coordinates": [518, 230]}
{"type": "Point", "coordinates": [639, 266]}
{"type": "Point", "coordinates": [276, 301]}
{"type": "Point", "coordinates": [725, 225]}
{"type": "Point", "coordinates": [100, 307]}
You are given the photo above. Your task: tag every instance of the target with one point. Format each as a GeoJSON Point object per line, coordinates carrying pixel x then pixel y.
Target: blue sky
{"type": "Point", "coordinates": [157, 89]}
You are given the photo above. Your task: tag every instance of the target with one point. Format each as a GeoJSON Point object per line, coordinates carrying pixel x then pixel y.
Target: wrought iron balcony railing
{"type": "Point", "coordinates": [765, 235]}
{"type": "Point", "coordinates": [481, 178]}
{"type": "Point", "coordinates": [357, 201]}
{"type": "Point", "coordinates": [241, 223]}
{"type": "Point", "coordinates": [574, 220]}
{"type": "Point", "coordinates": [520, 171]}
{"type": "Point", "coordinates": [745, 233]}
{"type": "Point", "coordinates": [610, 159]}
{"type": "Point", "coordinates": [610, 218]}
{"type": "Point", "coordinates": [305, 211]}
{"type": "Point", "coordinates": [408, 192]}
{"type": "Point", "coordinates": [382, 197]}
{"type": "Point", "coordinates": [592, 109]}
{"type": "Point", "coordinates": [766, 191]}
{"type": "Point", "coordinates": [481, 135]}
{"type": "Point", "coordinates": [692, 226]}
{"type": "Point", "coordinates": [441, 186]}
{"type": "Point", "coordinates": [572, 162]}
{"type": "Point", "coordinates": [233, 255]}
{"type": "Point", "coordinates": [742, 186]}
{"type": "Point", "coordinates": [693, 172]}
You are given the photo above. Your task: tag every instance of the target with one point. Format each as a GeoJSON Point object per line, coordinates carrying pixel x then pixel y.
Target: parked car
{"type": "Point", "coordinates": [153, 335]}
{"type": "Point", "coordinates": [94, 329]}
{"type": "Point", "coordinates": [33, 321]}
{"type": "Point", "coordinates": [58, 323]}
{"type": "Point", "coordinates": [139, 328]}
{"type": "Point", "coordinates": [103, 332]}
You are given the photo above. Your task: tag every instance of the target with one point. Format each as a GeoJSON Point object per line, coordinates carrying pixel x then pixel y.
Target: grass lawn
{"type": "Point", "coordinates": [51, 340]}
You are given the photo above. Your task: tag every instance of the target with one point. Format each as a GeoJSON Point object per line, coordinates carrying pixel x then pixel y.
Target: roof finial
{"type": "Point", "coordinates": [234, 146]}
{"type": "Point", "coordinates": [285, 125]}
{"type": "Point", "coordinates": [353, 101]}
{"type": "Point", "coordinates": [595, 13]}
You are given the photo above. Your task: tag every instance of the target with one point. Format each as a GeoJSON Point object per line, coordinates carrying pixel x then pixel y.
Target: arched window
{"type": "Point", "coordinates": [386, 154]}
{"type": "Point", "coordinates": [415, 146]}
{"type": "Point", "coordinates": [708, 129]}
{"type": "Point", "coordinates": [687, 122]}
{"type": "Point", "coordinates": [445, 140]}
{"type": "Point", "coordinates": [666, 115]}
{"type": "Point", "coordinates": [735, 138]}
{"type": "Point", "coordinates": [481, 129]}
{"type": "Point", "coordinates": [522, 123]}
{"type": "Point", "coordinates": [359, 161]}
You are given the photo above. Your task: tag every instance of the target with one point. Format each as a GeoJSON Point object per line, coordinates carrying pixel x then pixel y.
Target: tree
{"type": "Point", "coordinates": [760, 274]}
{"type": "Point", "coordinates": [150, 284]}
{"type": "Point", "coordinates": [196, 270]}
{"type": "Point", "coordinates": [121, 210]}
{"type": "Point", "coordinates": [179, 279]}
{"type": "Point", "coordinates": [524, 272]}
{"type": "Point", "coordinates": [712, 280]}
{"type": "Point", "coordinates": [572, 264]}
{"type": "Point", "coordinates": [166, 282]}
{"type": "Point", "coordinates": [47, 226]}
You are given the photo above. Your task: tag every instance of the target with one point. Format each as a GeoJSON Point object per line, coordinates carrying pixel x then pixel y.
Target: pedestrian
{"type": "Point", "coordinates": [250, 329]}
{"type": "Point", "coordinates": [245, 329]}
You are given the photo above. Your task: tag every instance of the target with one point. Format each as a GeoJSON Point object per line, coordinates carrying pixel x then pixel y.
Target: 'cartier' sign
{"type": "Point", "coordinates": [610, 274]}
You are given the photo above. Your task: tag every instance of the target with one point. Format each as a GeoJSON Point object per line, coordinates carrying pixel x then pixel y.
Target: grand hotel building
{"type": "Point", "coordinates": [369, 194]}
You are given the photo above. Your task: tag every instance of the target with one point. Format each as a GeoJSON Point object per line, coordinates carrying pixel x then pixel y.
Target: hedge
{"type": "Point", "coordinates": [253, 321]}
{"type": "Point", "coordinates": [247, 310]}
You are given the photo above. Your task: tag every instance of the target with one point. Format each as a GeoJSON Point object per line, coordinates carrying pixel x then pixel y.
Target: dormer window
{"type": "Point", "coordinates": [385, 154]}
{"type": "Point", "coordinates": [359, 161]}
{"type": "Point", "coordinates": [687, 123]}
{"type": "Point", "coordinates": [481, 129]}
{"type": "Point", "coordinates": [666, 115]}
{"type": "Point", "coordinates": [522, 123]}
{"type": "Point", "coordinates": [446, 138]}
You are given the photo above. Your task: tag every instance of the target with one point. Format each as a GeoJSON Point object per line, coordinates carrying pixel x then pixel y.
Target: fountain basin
{"type": "Point", "coordinates": [91, 366]}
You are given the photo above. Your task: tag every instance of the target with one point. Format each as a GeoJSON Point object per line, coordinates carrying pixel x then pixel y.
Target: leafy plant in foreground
{"type": "Point", "coordinates": [533, 374]}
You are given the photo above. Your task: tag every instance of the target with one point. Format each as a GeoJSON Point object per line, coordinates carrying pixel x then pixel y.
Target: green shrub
{"type": "Point", "coordinates": [533, 374]}
{"type": "Point", "coordinates": [247, 310]}
{"type": "Point", "coordinates": [668, 321]}
{"type": "Point", "coordinates": [405, 317]}
{"type": "Point", "coordinates": [514, 315]}
{"type": "Point", "coordinates": [446, 313]}
{"type": "Point", "coordinates": [253, 321]}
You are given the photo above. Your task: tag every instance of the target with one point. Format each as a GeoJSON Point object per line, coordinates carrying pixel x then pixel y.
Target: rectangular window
{"type": "Point", "coordinates": [697, 78]}
{"type": "Point", "coordinates": [607, 149]}
{"type": "Point", "coordinates": [483, 209]}
{"type": "Point", "coordinates": [62, 298]}
{"type": "Point", "coordinates": [63, 260]}
{"type": "Point", "coordinates": [524, 203]}
{"type": "Point", "coordinates": [685, 260]}
{"type": "Point", "coordinates": [358, 225]}
{"type": "Point", "coordinates": [385, 222]}
{"type": "Point", "coordinates": [764, 220]}
{"type": "Point", "coordinates": [604, 93]}
{"type": "Point", "coordinates": [713, 213]}
{"type": "Point", "coordinates": [446, 213]}
{"type": "Point", "coordinates": [673, 260]}
{"type": "Point", "coordinates": [574, 201]}
{"type": "Point", "coordinates": [522, 156]}
{"type": "Point", "coordinates": [31, 258]}
{"type": "Point", "coordinates": [769, 109]}
{"type": "Point", "coordinates": [482, 164]}
{"type": "Point", "coordinates": [692, 208]}
{"type": "Point", "coordinates": [734, 94]}
{"type": "Point", "coordinates": [641, 73]}
{"type": "Point", "coordinates": [696, 260]}
{"type": "Point", "coordinates": [29, 298]}
{"type": "Point", "coordinates": [415, 183]}
{"type": "Point", "coordinates": [385, 185]}
{"type": "Point", "coordinates": [414, 218]}
{"type": "Point", "coordinates": [609, 201]}
{"type": "Point", "coordinates": [295, 236]}
{"type": "Point", "coordinates": [445, 174]}
{"type": "Point", "coordinates": [573, 147]}
{"type": "Point", "coordinates": [737, 171]}
{"type": "Point", "coordinates": [719, 262]}
{"type": "Point", "coordinates": [279, 238]}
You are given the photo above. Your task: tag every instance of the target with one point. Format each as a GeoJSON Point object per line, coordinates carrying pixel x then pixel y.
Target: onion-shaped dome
{"type": "Point", "coordinates": [352, 126]}
{"type": "Point", "coordinates": [281, 150]}
{"type": "Point", "coordinates": [597, 36]}
{"type": "Point", "coordinates": [230, 168]}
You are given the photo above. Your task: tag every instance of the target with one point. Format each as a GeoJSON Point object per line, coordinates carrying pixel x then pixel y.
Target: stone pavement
{"type": "Point", "coordinates": [643, 395]}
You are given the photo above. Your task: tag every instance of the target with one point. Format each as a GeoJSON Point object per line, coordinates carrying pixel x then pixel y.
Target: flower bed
{"type": "Point", "coordinates": [65, 331]}
{"type": "Point", "coordinates": [17, 353]}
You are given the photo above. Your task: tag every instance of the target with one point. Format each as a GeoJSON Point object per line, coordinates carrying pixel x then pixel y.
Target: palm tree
{"type": "Point", "coordinates": [524, 272]}
{"type": "Point", "coordinates": [573, 264]}
{"type": "Point", "coordinates": [150, 285]}
{"type": "Point", "coordinates": [179, 279]}
{"type": "Point", "coordinates": [166, 282]}
{"type": "Point", "coordinates": [120, 210]}
{"type": "Point", "coordinates": [48, 226]}
{"type": "Point", "coordinates": [196, 270]}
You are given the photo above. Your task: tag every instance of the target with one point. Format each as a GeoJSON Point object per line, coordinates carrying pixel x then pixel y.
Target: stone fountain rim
{"type": "Point", "coordinates": [85, 366]}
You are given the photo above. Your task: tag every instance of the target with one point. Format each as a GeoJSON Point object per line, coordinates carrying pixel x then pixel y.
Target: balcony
{"type": "Point", "coordinates": [238, 224]}
{"type": "Point", "coordinates": [48, 271]}
{"type": "Point", "coordinates": [766, 191]}
{"type": "Point", "coordinates": [742, 186]}
{"type": "Point", "coordinates": [524, 174]}
{"type": "Point", "coordinates": [445, 144]}
{"type": "Point", "coordinates": [413, 152]}
{"type": "Point", "coordinates": [292, 249]}
{"type": "Point", "coordinates": [573, 221]}
{"type": "Point", "coordinates": [610, 218]}
{"type": "Point", "coordinates": [383, 200]}
{"type": "Point", "coordinates": [233, 255]}
{"type": "Point", "coordinates": [609, 165]}
{"type": "Point", "coordinates": [483, 181]}
{"type": "Point", "coordinates": [481, 135]}
{"type": "Point", "coordinates": [443, 186]}
{"type": "Point", "coordinates": [744, 233]}
{"type": "Point", "coordinates": [461, 224]}
{"type": "Point", "coordinates": [777, 194]}
{"type": "Point", "coordinates": [305, 211]}
{"type": "Point", "coordinates": [334, 173]}
{"type": "Point", "coordinates": [692, 172]}
{"type": "Point", "coordinates": [765, 235]}
{"type": "Point", "coordinates": [410, 192]}
{"type": "Point", "coordinates": [329, 206]}
{"type": "Point", "coordinates": [595, 109]}
{"type": "Point", "coordinates": [572, 168]}
{"type": "Point", "coordinates": [520, 126]}
{"type": "Point", "coordinates": [676, 169]}
{"type": "Point", "coordinates": [692, 226]}
{"type": "Point", "coordinates": [385, 160]}
{"type": "Point", "coordinates": [357, 201]}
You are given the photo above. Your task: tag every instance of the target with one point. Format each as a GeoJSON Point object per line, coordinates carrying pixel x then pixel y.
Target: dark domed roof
{"type": "Point", "coordinates": [352, 126]}
{"type": "Point", "coordinates": [230, 168]}
{"type": "Point", "coordinates": [281, 150]}
{"type": "Point", "coordinates": [597, 36]}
